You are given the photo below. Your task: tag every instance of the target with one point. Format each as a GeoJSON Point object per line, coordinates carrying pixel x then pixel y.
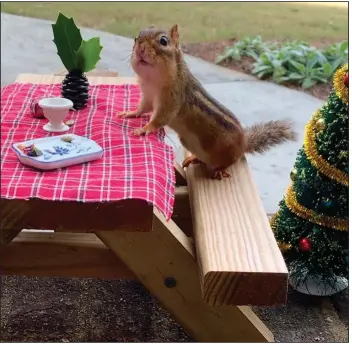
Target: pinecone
{"type": "Point", "coordinates": [75, 87]}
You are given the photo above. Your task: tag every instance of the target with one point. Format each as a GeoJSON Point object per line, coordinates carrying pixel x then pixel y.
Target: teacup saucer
{"type": "Point", "coordinates": [48, 127]}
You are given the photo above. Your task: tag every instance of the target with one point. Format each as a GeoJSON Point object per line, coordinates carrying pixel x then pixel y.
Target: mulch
{"type": "Point", "coordinates": [91, 310]}
{"type": "Point", "coordinates": [209, 51]}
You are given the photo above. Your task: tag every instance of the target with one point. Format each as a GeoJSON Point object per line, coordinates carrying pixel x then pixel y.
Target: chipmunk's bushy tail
{"type": "Point", "coordinates": [261, 137]}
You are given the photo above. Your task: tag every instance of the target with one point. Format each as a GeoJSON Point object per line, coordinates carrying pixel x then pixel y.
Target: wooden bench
{"type": "Point", "coordinates": [205, 268]}
{"type": "Point", "coordinates": [239, 260]}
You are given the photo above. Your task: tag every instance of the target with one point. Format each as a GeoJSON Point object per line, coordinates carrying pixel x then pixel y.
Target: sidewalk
{"type": "Point", "coordinates": [27, 46]}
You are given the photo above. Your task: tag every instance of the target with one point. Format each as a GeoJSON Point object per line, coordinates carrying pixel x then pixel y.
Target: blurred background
{"type": "Point", "coordinates": [256, 38]}
{"type": "Point", "coordinates": [315, 22]}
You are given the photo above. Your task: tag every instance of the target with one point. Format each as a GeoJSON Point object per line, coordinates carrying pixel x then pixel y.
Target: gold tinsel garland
{"type": "Point", "coordinates": [308, 214]}
{"type": "Point", "coordinates": [323, 166]}
{"type": "Point", "coordinates": [282, 246]}
{"type": "Point", "coordinates": [339, 84]}
{"type": "Point", "coordinates": [310, 148]}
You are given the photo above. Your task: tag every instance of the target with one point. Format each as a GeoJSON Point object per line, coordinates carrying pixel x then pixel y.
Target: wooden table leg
{"type": "Point", "coordinates": [164, 261]}
{"type": "Point", "coordinates": [7, 235]}
{"type": "Point", "coordinates": [10, 222]}
{"type": "Point", "coordinates": [180, 174]}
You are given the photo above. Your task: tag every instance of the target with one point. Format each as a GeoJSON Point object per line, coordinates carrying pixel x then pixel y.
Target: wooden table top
{"type": "Point", "coordinates": [93, 79]}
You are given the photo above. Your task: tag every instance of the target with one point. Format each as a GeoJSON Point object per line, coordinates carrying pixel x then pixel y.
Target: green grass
{"type": "Point", "coordinates": [199, 21]}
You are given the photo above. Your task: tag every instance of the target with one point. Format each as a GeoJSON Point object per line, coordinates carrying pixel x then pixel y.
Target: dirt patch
{"type": "Point", "coordinates": [92, 310]}
{"type": "Point", "coordinates": [209, 51]}
{"type": "Point", "coordinates": [303, 319]}
{"type": "Point", "coordinates": [340, 302]}
{"type": "Point", "coordinates": [82, 310]}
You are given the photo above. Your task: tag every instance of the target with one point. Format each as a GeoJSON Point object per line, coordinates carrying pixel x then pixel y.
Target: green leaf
{"type": "Point", "coordinates": [344, 47]}
{"type": "Point", "coordinates": [235, 53]}
{"type": "Point", "coordinates": [264, 59]}
{"type": "Point", "coordinates": [322, 80]}
{"type": "Point", "coordinates": [262, 74]}
{"type": "Point", "coordinates": [229, 53]}
{"type": "Point", "coordinates": [220, 59]}
{"type": "Point", "coordinates": [276, 63]}
{"type": "Point", "coordinates": [295, 76]}
{"type": "Point", "coordinates": [88, 54]}
{"type": "Point", "coordinates": [327, 69]}
{"type": "Point", "coordinates": [308, 82]}
{"type": "Point", "coordinates": [68, 39]}
{"type": "Point", "coordinates": [261, 68]}
{"type": "Point", "coordinates": [312, 61]}
{"type": "Point", "coordinates": [278, 74]}
{"type": "Point", "coordinates": [300, 67]}
{"type": "Point", "coordinates": [336, 64]}
{"type": "Point", "coordinates": [281, 79]}
{"type": "Point", "coordinates": [321, 59]}
{"type": "Point", "coordinates": [252, 54]}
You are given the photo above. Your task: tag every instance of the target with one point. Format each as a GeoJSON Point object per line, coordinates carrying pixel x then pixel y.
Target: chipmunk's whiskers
{"type": "Point", "coordinates": [127, 57]}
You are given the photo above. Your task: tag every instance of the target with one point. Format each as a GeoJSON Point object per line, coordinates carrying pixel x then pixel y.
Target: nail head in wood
{"type": "Point", "coordinates": [170, 282]}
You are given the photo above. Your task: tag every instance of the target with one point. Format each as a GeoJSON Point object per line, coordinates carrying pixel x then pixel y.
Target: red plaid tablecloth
{"type": "Point", "coordinates": [131, 167]}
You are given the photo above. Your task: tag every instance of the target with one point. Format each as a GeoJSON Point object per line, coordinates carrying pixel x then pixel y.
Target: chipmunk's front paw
{"type": "Point", "coordinates": [192, 159]}
{"type": "Point", "coordinates": [127, 114]}
{"type": "Point", "coordinates": [139, 132]}
{"type": "Point", "coordinates": [219, 173]}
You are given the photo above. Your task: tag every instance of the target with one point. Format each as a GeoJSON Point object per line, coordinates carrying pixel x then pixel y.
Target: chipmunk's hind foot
{"type": "Point", "coordinates": [190, 160]}
{"type": "Point", "coordinates": [219, 173]}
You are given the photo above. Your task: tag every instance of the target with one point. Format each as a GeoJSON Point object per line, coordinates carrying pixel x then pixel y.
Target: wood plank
{"type": "Point", "coordinates": [181, 179]}
{"type": "Point", "coordinates": [85, 217]}
{"type": "Point", "coordinates": [57, 79]}
{"type": "Point", "coordinates": [182, 211]}
{"type": "Point", "coordinates": [95, 72]}
{"type": "Point", "coordinates": [239, 260]}
{"type": "Point", "coordinates": [7, 235]}
{"type": "Point", "coordinates": [166, 252]}
{"type": "Point", "coordinates": [61, 255]}
{"type": "Point", "coordinates": [69, 216]}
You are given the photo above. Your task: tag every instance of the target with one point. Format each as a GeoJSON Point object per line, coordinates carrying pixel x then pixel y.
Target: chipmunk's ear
{"type": "Point", "coordinates": [174, 34]}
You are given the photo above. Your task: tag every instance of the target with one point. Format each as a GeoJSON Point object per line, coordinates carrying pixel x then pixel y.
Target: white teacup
{"type": "Point", "coordinates": [55, 110]}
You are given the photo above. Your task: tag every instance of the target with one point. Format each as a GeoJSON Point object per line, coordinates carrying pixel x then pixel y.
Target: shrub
{"type": "Point", "coordinates": [293, 62]}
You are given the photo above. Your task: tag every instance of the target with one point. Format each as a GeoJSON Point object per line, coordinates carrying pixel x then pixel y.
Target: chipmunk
{"type": "Point", "coordinates": [206, 128]}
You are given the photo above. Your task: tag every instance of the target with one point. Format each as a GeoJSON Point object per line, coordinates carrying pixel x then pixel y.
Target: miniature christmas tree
{"type": "Point", "coordinates": [311, 225]}
{"type": "Point", "coordinates": [78, 57]}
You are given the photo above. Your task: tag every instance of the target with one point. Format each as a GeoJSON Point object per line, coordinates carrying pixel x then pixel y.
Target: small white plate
{"type": "Point", "coordinates": [58, 153]}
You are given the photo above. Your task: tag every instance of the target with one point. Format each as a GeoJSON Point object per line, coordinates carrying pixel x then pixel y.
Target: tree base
{"type": "Point", "coordinates": [316, 286]}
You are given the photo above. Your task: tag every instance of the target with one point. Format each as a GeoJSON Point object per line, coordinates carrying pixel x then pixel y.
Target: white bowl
{"type": "Point", "coordinates": [55, 110]}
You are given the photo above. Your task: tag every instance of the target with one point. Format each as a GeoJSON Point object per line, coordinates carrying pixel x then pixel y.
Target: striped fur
{"type": "Point", "coordinates": [205, 127]}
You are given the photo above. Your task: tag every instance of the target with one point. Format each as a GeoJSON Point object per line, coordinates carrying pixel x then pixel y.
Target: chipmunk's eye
{"type": "Point", "coordinates": [163, 41]}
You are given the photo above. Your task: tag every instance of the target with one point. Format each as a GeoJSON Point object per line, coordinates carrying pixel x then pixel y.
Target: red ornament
{"type": "Point", "coordinates": [305, 245]}
{"type": "Point", "coordinates": [345, 80]}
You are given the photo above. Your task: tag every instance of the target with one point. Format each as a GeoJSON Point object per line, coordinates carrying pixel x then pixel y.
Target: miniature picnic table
{"type": "Point", "coordinates": [213, 258]}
